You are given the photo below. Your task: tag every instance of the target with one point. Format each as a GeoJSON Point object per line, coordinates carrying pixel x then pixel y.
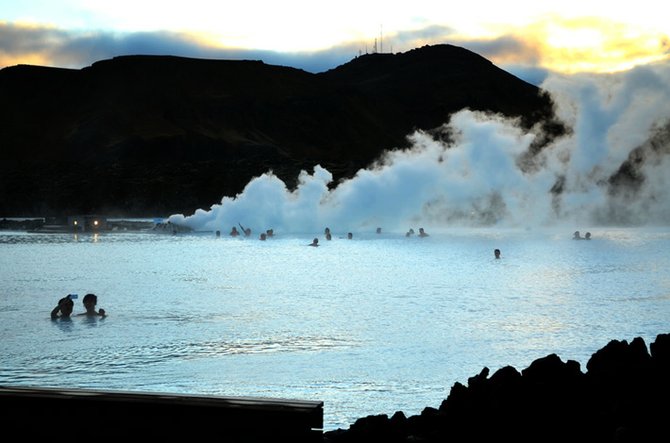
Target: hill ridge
{"type": "Point", "coordinates": [164, 134]}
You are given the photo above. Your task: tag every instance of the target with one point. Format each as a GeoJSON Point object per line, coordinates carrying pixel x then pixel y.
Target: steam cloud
{"type": "Point", "coordinates": [475, 179]}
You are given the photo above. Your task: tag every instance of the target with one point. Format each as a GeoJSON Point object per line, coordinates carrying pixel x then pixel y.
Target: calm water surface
{"type": "Point", "coordinates": [371, 325]}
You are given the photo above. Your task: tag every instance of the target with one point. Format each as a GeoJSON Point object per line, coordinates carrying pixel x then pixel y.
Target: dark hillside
{"type": "Point", "coordinates": [155, 135]}
{"type": "Point", "coordinates": [435, 81]}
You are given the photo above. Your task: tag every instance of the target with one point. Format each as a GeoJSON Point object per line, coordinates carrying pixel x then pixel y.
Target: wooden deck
{"type": "Point", "coordinates": [85, 414]}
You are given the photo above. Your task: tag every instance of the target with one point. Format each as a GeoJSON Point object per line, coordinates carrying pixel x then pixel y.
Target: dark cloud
{"type": "Point", "coordinates": [17, 40]}
{"type": "Point", "coordinates": [502, 47]}
{"type": "Point", "coordinates": [70, 49]}
{"type": "Point", "coordinates": [79, 49]}
{"type": "Point", "coordinates": [531, 74]}
{"type": "Point", "coordinates": [405, 40]}
{"type": "Point", "coordinates": [512, 54]}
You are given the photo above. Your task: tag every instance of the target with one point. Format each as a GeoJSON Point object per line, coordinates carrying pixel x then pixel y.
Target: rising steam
{"type": "Point", "coordinates": [612, 169]}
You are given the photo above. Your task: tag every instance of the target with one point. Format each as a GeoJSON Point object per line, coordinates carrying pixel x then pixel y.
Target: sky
{"type": "Point", "coordinates": [526, 38]}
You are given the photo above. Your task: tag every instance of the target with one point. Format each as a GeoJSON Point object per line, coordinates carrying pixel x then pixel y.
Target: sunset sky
{"type": "Point", "coordinates": [527, 38]}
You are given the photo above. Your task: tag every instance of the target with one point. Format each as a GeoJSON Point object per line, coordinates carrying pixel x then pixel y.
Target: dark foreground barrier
{"type": "Point", "coordinates": [84, 414]}
{"type": "Point", "coordinates": [624, 397]}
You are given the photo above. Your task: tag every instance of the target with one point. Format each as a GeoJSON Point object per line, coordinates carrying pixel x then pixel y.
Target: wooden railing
{"type": "Point", "coordinates": [78, 414]}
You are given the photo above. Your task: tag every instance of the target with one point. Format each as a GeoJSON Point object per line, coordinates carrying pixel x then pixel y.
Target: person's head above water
{"type": "Point", "coordinates": [66, 304]}
{"type": "Point", "coordinates": [64, 308]}
{"type": "Point", "coordinates": [496, 253]}
{"type": "Point", "coordinates": [90, 301]}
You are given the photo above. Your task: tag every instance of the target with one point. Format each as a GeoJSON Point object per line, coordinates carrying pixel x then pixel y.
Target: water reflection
{"type": "Point", "coordinates": [234, 316]}
{"type": "Point", "coordinates": [91, 320]}
{"type": "Point", "coordinates": [65, 324]}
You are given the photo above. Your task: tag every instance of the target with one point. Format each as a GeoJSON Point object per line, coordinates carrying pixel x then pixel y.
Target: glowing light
{"type": "Point", "coordinates": [575, 39]}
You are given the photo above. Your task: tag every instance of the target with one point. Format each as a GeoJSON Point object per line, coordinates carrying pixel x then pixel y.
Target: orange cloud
{"type": "Point", "coordinates": [593, 44]}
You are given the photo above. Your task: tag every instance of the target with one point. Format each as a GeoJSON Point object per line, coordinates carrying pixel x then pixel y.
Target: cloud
{"type": "Point", "coordinates": [404, 40]}
{"type": "Point", "coordinates": [48, 46]}
{"type": "Point", "coordinates": [550, 44]}
{"type": "Point", "coordinates": [593, 44]}
{"type": "Point", "coordinates": [69, 49]}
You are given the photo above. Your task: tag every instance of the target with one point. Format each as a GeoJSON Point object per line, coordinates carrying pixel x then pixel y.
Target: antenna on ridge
{"type": "Point", "coordinates": [381, 40]}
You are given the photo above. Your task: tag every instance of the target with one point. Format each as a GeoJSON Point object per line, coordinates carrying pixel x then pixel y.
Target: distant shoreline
{"type": "Point", "coordinates": [41, 224]}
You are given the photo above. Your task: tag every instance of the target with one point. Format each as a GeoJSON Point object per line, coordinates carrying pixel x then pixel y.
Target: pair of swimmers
{"type": "Point", "coordinates": [247, 232]}
{"type": "Point", "coordinates": [234, 232]}
{"type": "Point", "coordinates": [65, 307]}
{"type": "Point", "coordinates": [577, 236]}
{"type": "Point", "coordinates": [422, 233]}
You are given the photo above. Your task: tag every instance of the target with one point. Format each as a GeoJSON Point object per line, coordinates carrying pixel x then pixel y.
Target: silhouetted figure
{"type": "Point", "coordinates": [270, 232]}
{"type": "Point", "coordinates": [63, 309]}
{"type": "Point", "coordinates": [422, 233]}
{"type": "Point", "coordinates": [218, 234]}
{"type": "Point", "coordinates": [350, 235]}
{"type": "Point", "coordinates": [587, 236]}
{"type": "Point", "coordinates": [409, 233]}
{"type": "Point", "coordinates": [233, 232]}
{"type": "Point", "coordinates": [315, 242]}
{"type": "Point", "coordinates": [90, 301]}
{"type": "Point", "coordinates": [496, 253]}
{"type": "Point", "coordinates": [247, 231]}
{"type": "Point", "coordinates": [576, 236]}
{"type": "Point", "coordinates": [379, 230]}
{"type": "Point", "coordinates": [328, 236]}
{"type": "Point", "coordinates": [263, 236]}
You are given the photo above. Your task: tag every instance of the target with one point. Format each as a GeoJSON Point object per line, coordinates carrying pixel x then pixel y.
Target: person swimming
{"type": "Point", "coordinates": [64, 308]}
{"type": "Point", "coordinates": [576, 236]}
{"type": "Point", "coordinates": [90, 301]}
{"type": "Point", "coordinates": [587, 236]}
{"type": "Point", "coordinates": [422, 233]}
{"type": "Point", "coordinates": [247, 231]}
{"type": "Point", "coordinates": [409, 233]}
{"type": "Point", "coordinates": [496, 253]}
{"type": "Point", "coordinates": [234, 232]}
{"type": "Point", "coordinates": [315, 242]}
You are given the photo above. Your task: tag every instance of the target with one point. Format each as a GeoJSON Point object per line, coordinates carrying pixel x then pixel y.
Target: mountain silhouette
{"type": "Point", "coordinates": [155, 135]}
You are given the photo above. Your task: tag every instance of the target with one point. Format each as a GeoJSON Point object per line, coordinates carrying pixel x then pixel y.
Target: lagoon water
{"type": "Point", "coordinates": [372, 325]}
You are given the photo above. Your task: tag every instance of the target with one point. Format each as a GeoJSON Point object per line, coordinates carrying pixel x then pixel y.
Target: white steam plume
{"type": "Point", "coordinates": [475, 179]}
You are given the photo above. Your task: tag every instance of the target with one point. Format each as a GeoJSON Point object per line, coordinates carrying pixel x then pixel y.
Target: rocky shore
{"type": "Point", "coordinates": [622, 397]}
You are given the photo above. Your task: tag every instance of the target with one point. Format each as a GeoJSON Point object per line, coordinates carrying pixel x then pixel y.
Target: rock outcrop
{"type": "Point", "coordinates": [624, 396]}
